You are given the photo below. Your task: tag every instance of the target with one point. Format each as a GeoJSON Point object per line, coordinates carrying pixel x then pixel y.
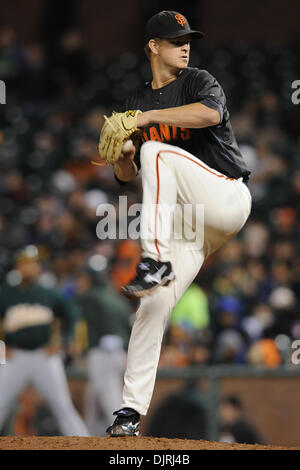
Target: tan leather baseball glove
{"type": "Point", "coordinates": [117, 129]}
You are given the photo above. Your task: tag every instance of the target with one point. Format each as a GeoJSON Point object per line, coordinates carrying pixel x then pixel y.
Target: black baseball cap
{"type": "Point", "coordinates": [169, 24]}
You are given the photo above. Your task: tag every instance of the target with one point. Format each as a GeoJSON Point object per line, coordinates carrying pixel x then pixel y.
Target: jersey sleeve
{"type": "Point", "coordinates": [204, 88]}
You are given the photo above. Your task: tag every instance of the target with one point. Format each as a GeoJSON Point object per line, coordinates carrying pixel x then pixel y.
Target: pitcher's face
{"type": "Point", "coordinates": [174, 52]}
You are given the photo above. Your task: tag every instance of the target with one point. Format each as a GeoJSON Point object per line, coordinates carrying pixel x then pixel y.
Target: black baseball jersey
{"type": "Point", "coordinates": [215, 145]}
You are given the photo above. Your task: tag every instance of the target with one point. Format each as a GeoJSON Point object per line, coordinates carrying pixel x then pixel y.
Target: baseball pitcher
{"type": "Point", "coordinates": [185, 147]}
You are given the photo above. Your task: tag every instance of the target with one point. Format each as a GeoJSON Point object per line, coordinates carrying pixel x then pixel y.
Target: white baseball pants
{"type": "Point", "coordinates": [104, 391]}
{"type": "Point", "coordinates": [47, 375]}
{"type": "Point", "coordinates": [174, 178]}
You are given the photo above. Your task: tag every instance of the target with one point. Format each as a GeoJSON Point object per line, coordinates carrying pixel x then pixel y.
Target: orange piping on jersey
{"type": "Point", "coordinates": [158, 188]}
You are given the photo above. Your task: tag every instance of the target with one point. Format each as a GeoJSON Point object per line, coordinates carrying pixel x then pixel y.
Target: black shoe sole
{"type": "Point", "coordinates": [119, 432]}
{"type": "Point", "coordinates": [122, 435]}
{"type": "Point", "coordinates": [143, 293]}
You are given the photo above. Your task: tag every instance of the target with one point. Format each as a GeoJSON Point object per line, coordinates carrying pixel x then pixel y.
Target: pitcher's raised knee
{"type": "Point", "coordinates": [150, 150]}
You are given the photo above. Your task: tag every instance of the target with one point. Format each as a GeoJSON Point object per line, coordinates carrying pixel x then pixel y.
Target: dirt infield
{"type": "Point", "coordinates": [122, 443]}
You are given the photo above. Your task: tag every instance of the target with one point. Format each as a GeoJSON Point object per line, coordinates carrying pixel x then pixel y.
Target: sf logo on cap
{"type": "Point", "coordinates": [180, 20]}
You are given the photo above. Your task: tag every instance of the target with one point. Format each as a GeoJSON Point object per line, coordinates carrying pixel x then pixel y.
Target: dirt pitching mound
{"type": "Point", "coordinates": [122, 443]}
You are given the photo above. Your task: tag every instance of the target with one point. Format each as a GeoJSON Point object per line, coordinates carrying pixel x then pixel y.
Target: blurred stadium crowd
{"type": "Point", "coordinates": [244, 305]}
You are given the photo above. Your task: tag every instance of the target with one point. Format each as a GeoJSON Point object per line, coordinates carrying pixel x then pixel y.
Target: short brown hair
{"type": "Point", "coordinates": [147, 48]}
{"type": "Point", "coordinates": [147, 51]}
